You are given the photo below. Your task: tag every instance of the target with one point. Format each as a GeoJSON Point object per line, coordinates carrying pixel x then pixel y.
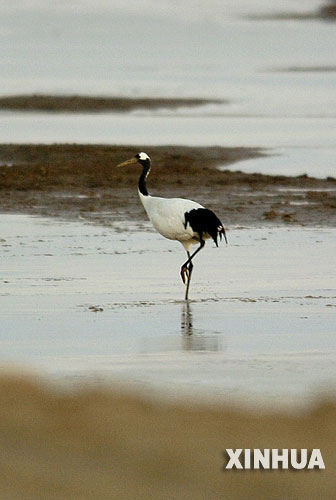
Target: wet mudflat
{"type": "Point", "coordinates": [81, 301]}
{"type": "Point", "coordinates": [81, 180]}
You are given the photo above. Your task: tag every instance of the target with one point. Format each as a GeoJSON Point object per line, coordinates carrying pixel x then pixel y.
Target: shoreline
{"type": "Point", "coordinates": [67, 180]}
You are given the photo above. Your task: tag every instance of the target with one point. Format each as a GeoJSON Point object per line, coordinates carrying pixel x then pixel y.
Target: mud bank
{"type": "Point", "coordinates": [307, 69]}
{"type": "Point", "coordinates": [82, 180]}
{"type": "Point", "coordinates": [326, 12]}
{"type": "Point", "coordinates": [84, 104]}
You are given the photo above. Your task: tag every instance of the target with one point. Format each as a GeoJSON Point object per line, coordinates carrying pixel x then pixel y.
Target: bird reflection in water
{"type": "Point", "coordinates": [186, 319]}
{"type": "Point", "coordinates": [196, 340]}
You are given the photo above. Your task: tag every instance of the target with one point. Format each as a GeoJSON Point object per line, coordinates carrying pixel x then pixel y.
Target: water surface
{"type": "Point", "coordinates": [79, 301]}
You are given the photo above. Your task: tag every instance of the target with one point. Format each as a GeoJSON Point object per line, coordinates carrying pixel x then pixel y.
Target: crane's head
{"type": "Point", "coordinates": [141, 158]}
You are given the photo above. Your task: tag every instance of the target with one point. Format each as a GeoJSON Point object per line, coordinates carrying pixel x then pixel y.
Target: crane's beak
{"type": "Point", "coordinates": [128, 162]}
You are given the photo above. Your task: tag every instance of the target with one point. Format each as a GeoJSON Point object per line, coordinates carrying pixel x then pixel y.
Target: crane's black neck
{"type": "Point", "coordinates": [146, 166]}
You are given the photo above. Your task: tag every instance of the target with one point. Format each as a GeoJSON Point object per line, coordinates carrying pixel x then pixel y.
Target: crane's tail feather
{"type": "Point", "coordinates": [202, 221]}
{"type": "Point", "coordinates": [222, 233]}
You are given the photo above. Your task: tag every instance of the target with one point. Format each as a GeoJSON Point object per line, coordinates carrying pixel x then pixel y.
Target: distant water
{"type": "Point", "coordinates": [161, 49]}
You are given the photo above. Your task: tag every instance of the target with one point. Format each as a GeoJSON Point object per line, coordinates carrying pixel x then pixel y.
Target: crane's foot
{"type": "Point", "coordinates": [186, 271]}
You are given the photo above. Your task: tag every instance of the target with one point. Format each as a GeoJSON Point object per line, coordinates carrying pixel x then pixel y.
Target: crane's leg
{"type": "Point", "coordinates": [187, 268]}
{"type": "Point", "coordinates": [189, 272]}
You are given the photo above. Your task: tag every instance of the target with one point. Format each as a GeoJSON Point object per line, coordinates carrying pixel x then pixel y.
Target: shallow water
{"type": "Point", "coordinates": [80, 301]}
{"type": "Point", "coordinates": [119, 48]}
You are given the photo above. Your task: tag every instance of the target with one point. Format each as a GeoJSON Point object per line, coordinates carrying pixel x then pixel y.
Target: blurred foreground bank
{"type": "Point", "coordinates": [102, 444]}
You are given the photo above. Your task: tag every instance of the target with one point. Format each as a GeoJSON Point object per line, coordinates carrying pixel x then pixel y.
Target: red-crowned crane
{"type": "Point", "coordinates": [177, 218]}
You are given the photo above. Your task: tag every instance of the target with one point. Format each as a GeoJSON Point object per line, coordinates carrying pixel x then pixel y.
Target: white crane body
{"type": "Point", "coordinates": [168, 217]}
